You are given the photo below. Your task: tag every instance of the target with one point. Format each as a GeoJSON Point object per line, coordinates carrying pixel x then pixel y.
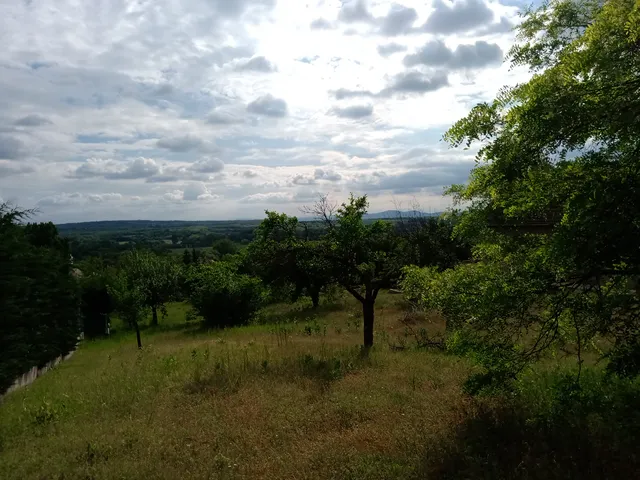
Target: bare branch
{"type": "Point", "coordinates": [323, 209]}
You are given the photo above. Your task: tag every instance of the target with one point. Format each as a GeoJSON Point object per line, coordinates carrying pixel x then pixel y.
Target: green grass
{"type": "Point", "coordinates": [290, 397]}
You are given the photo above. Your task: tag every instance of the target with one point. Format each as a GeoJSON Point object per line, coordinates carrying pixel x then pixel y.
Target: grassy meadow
{"type": "Point", "coordinates": [293, 399]}
{"type": "Point", "coordinates": [290, 397]}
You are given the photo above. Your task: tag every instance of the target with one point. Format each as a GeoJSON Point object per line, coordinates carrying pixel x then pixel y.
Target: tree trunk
{"type": "Point", "coordinates": [154, 318]}
{"type": "Point", "coordinates": [314, 293]}
{"type": "Point", "coordinates": [138, 336]}
{"type": "Point", "coordinates": [368, 315]}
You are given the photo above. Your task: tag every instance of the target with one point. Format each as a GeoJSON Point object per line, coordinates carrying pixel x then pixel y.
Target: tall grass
{"type": "Point", "coordinates": [294, 398]}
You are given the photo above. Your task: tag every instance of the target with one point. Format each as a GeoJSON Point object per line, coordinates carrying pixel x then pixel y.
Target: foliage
{"type": "Point", "coordinates": [156, 278]}
{"type": "Point", "coordinates": [39, 317]}
{"type": "Point", "coordinates": [222, 296]}
{"type": "Point", "coordinates": [553, 201]}
{"type": "Point", "coordinates": [428, 240]}
{"type": "Point", "coordinates": [363, 258]}
{"type": "Point", "coordinates": [282, 258]}
{"type": "Point", "coordinates": [548, 429]}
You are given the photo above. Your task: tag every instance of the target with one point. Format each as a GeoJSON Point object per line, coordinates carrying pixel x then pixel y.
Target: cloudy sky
{"type": "Point", "coordinates": [220, 109]}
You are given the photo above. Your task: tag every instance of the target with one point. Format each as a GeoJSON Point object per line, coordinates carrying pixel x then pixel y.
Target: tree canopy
{"type": "Point", "coordinates": [558, 153]}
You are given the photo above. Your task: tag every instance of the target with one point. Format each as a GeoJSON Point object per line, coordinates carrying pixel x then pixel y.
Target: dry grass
{"type": "Point", "coordinates": [287, 400]}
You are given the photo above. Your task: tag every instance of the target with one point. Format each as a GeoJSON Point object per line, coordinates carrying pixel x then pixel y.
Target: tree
{"type": "Point", "coordinates": [130, 300]}
{"type": "Point", "coordinates": [281, 257]}
{"type": "Point", "coordinates": [157, 279]}
{"type": "Point", "coordinates": [225, 246]}
{"type": "Point", "coordinates": [186, 257]}
{"type": "Point", "coordinates": [554, 198]}
{"type": "Point", "coordinates": [362, 258]}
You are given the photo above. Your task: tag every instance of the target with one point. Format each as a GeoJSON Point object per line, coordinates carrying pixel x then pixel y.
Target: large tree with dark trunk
{"type": "Point", "coordinates": [363, 258]}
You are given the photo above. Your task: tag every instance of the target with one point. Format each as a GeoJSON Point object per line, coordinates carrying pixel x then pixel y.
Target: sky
{"type": "Point", "coordinates": [221, 109]}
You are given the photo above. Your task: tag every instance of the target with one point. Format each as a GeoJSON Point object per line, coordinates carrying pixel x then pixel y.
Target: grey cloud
{"type": "Point", "coordinates": [320, 24]}
{"type": "Point", "coordinates": [503, 26]}
{"type": "Point", "coordinates": [139, 168]}
{"type": "Point", "coordinates": [330, 176]}
{"type": "Point", "coordinates": [343, 93]}
{"type": "Point", "coordinates": [61, 199]}
{"type": "Point", "coordinates": [256, 64]}
{"type": "Point", "coordinates": [11, 148]}
{"type": "Point", "coordinates": [303, 180]}
{"type": "Point", "coordinates": [398, 21]}
{"type": "Point", "coordinates": [32, 120]}
{"type": "Point", "coordinates": [435, 53]}
{"type": "Point", "coordinates": [431, 177]}
{"type": "Point", "coordinates": [208, 165]}
{"type": "Point", "coordinates": [403, 83]}
{"type": "Point", "coordinates": [180, 144]}
{"type": "Point", "coordinates": [269, 106]}
{"type": "Point", "coordinates": [355, 11]}
{"type": "Point", "coordinates": [223, 118]}
{"type": "Point", "coordinates": [415, 152]}
{"type": "Point", "coordinates": [390, 49]}
{"type": "Point", "coordinates": [462, 16]}
{"type": "Point", "coordinates": [8, 169]}
{"type": "Point", "coordinates": [353, 112]}
{"type": "Point", "coordinates": [416, 82]}
{"type": "Point", "coordinates": [249, 174]}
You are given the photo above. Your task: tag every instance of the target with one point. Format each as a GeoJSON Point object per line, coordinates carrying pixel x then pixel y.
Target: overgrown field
{"type": "Point", "coordinates": [293, 398]}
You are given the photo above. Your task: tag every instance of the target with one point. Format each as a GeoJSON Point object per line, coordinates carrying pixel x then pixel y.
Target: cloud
{"type": "Point", "coordinates": [430, 177]}
{"type": "Point", "coordinates": [303, 180]}
{"type": "Point", "coordinates": [136, 169]}
{"type": "Point", "coordinates": [355, 11]}
{"type": "Point", "coordinates": [269, 106]}
{"type": "Point", "coordinates": [271, 197]}
{"type": "Point", "coordinates": [223, 118]}
{"type": "Point", "coordinates": [503, 26]}
{"type": "Point", "coordinates": [353, 112]}
{"type": "Point", "coordinates": [390, 49]}
{"type": "Point", "coordinates": [330, 176]}
{"type": "Point", "coordinates": [197, 191]}
{"type": "Point", "coordinates": [11, 148]}
{"type": "Point", "coordinates": [104, 197]}
{"type": "Point", "coordinates": [10, 168]}
{"type": "Point", "coordinates": [208, 165]}
{"type": "Point", "coordinates": [139, 168]}
{"type": "Point", "coordinates": [409, 82]}
{"type": "Point", "coordinates": [416, 82]}
{"type": "Point", "coordinates": [61, 199]}
{"type": "Point", "coordinates": [321, 24]}
{"type": "Point", "coordinates": [32, 120]}
{"type": "Point", "coordinates": [344, 93]}
{"type": "Point", "coordinates": [249, 174]}
{"type": "Point", "coordinates": [256, 64]}
{"type": "Point", "coordinates": [462, 16]}
{"type": "Point", "coordinates": [398, 21]}
{"type": "Point", "coordinates": [436, 54]}
{"type": "Point", "coordinates": [180, 144]}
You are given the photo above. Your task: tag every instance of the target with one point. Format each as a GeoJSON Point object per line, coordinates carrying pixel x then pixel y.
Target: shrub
{"type": "Point", "coordinates": [222, 296]}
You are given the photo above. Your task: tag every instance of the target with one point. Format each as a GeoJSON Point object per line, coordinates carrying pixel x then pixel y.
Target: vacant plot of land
{"type": "Point", "coordinates": [289, 400]}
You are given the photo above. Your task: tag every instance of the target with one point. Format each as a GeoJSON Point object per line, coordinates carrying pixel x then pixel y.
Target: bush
{"type": "Point", "coordinates": [550, 428]}
{"type": "Point", "coordinates": [223, 297]}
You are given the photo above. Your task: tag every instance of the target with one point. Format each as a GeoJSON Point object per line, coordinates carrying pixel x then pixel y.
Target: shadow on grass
{"type": "Point", "coordinates": [579, 439]}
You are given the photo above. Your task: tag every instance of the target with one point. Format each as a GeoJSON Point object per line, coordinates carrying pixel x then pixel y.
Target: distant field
{"type": "Point", "coordinates": [292, 400]}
